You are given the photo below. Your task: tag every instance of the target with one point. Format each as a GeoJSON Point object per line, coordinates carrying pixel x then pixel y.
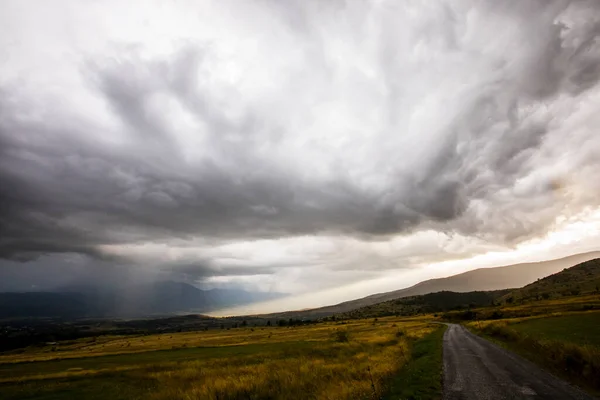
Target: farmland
{"type": "Point", "coordinates": [343, 360]}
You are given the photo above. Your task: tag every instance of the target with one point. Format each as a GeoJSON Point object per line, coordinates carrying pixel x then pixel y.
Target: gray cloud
{"type": "Point", "coordinates": [358, 120]}
{"type": "Point", "coordinates": [147, 185]}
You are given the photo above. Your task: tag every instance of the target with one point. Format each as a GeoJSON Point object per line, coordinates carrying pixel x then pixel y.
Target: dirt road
{"type": "Point", "coordinates": [475, 369]}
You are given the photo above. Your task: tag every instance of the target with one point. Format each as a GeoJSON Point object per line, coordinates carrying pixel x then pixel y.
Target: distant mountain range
{"type": "Point", "coordinates": [482, 279]}
{"type": "Point", "coordinates": [168, 297]}
{"type": "Point", "coordinates": [497, 278]}
{"type": "Point", "coordinates": [570, 283]}
{"type": "Point", "coordinates": [157, 298]}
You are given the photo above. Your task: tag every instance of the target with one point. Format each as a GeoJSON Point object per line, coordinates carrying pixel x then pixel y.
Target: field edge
{"type": "Point", "coordinates": [421, 378]}
{"type": "Point", "coordinates": [531, 348]}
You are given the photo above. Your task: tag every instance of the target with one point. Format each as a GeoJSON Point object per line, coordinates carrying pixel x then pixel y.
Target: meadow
{"type": "Point", "coordinates": [359, 359]}
{"type": "Point", "coordinates": [581, 328]}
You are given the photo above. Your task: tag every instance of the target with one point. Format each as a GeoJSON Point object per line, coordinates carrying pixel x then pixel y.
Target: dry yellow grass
{"type": "Point", "coordinates": [309, 362]}
{"type": "Point", "coordinates": [344, 374]}
{"type": "Point", "coordinates": [480, 325]}
{"type": "Point", "coordinates": [134, 344]}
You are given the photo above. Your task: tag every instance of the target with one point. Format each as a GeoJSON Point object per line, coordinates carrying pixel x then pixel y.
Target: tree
{"type": "Point", "coordinates": [269, 323]}
{"type": "Point", "coordinates": [244, 323]}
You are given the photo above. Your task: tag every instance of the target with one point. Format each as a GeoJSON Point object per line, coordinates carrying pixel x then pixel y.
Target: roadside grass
{"type": "Point", "coordinates": [581, 329]}
{"type": "Point", "coordinates": [354, 360]}
{"type": "Point", "coordinates": [421, 378]}
{"type": "Point", "coordinates": [567, 345]}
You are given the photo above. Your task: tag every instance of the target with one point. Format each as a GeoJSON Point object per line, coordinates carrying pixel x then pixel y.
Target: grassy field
{"type": "Point", "coordinates": [421, 378]}
{"type": "Point", "coordinates": [566, 344]}
{"type": "Point", "coordinates": [580, 329]}
{"type": "Point", "coordinates": [354, 360]}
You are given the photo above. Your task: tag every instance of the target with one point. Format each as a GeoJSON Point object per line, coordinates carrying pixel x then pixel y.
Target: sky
{"type": "Point", "coordinates": [328, 150]}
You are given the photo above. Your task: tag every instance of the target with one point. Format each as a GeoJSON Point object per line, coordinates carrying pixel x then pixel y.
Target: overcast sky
{"type": "Point", "coordinates": [332, 147]}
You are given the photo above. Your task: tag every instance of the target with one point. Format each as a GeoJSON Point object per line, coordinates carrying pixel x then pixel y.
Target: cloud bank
{"type": "Point", "coordinates": [315, 144]}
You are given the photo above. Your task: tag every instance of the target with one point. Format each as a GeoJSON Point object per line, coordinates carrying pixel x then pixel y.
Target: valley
{"type": "Point", "coordinates": [388, 349]}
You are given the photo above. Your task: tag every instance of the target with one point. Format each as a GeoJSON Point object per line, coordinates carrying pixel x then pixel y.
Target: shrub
{"type": "Point", "coordinates": [340, 335]}
{"type": "Point", "coordinates": [496, 315]}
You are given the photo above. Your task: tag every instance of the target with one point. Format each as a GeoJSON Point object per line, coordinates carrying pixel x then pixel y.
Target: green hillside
{"type": "Point", "coordinates": [581, 279]}
{"type": "Point", "coordinates": [428, 303]}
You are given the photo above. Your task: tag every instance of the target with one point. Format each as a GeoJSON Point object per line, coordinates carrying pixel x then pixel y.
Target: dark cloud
{"type": "Point", "coordinates": [71, 270]}
{"type": "Point", "coordinates": [64, 271]}
{"type": "Point", "coordinates": [70, 194]}
{"type": "Point", "coordinates": [347, 123]}
{"type": "Point", "coordinates": [197, 271]}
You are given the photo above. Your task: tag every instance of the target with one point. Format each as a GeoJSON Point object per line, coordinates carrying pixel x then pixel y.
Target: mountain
{"type": "Point", "coordinates": [156, 298]}
{"type": "Point", "coordinates": [42, 304]}
{"type": "Point", "coordinates": [482, 279]}
{"type": "Point", "coordinates": [428, 303]}
{"type": "Point", "coordinates": [583, 278]}
{"type": "Point", "coordinates": [233, 297]}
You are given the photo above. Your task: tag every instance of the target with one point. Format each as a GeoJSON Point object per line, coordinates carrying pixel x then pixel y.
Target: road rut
{"type": "Point", "coordinates": [476, 369]}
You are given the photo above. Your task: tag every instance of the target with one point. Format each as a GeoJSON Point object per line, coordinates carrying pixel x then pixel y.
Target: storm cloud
{"type": "Point", "coordinates": [190, 137]}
